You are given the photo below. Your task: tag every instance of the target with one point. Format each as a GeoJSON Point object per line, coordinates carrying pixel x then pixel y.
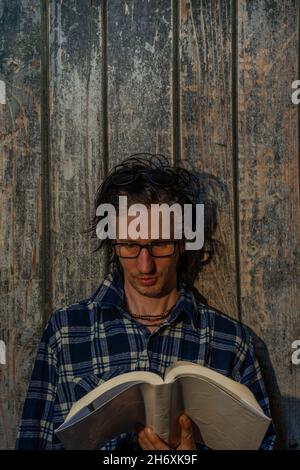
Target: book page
{"type": "Point", "coordinates": [237, 390]}
{"type": "Point", "coordinates": [224, 422]}
{"type": "Point", "coordinates": [117, 416]}
{"type": "Point", "coordinates": [115, 382]}
{"type": "Point", "coordinates": [97, 403]}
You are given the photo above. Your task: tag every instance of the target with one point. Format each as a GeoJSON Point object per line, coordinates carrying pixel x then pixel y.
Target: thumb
{"type": "Point", "coordinates": [187, 437]}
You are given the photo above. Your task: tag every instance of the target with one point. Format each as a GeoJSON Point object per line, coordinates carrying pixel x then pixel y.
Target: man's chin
{"type": "Point", "coordinates": [148, 291]}
{"type": "Point", "coordinates": [152, 290]}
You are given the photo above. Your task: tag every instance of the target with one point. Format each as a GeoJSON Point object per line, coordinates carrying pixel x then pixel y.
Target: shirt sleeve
{"type": "Point", "coordinates": [36, 426]}
{"type": "Point", "coordinates": [247, 371]}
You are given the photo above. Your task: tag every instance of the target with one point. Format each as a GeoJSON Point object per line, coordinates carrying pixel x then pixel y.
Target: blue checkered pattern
{"type": "Point", "coordinates": [93, 340]}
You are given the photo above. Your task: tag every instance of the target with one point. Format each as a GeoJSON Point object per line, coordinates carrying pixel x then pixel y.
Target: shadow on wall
{"type": "Point", "coordinates": [213, 191]}
{"type": "Point", "coordinates": [280, 405]}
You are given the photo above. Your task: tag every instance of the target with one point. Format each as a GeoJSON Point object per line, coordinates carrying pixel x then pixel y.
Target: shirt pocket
{"type": "Point", "coordinates": [87, 383]}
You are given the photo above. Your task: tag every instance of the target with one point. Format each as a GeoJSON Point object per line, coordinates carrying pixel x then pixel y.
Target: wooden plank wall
{"type": "Point", "coordinates": [206, 82]}
{"type": "Point", "coordinates": [21, 212]}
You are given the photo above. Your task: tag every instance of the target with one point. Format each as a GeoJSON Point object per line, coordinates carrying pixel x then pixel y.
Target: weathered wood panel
{"type": "Point", "coordinates": [268, 190]}
{"type": "Point", "coordinates": [149, 76]}
{"type": "Point", "coordinates": [139, 76]}
{"type": "Point", "coordinates": [77, 156]}
{"type": "Point", "coordinates": [21, 299]}
{"type": "Point", "coordinates": [206, 131]}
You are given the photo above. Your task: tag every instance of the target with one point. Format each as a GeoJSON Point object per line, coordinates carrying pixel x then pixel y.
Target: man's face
{"type": "Point", "coordinates": [149, 275]}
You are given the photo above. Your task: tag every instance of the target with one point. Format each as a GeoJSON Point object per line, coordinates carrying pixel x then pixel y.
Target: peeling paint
{"type": "Point", "coordinates": [68, 170]}
{"type": "Point", "coordinates": [2, 92]}
{"type": "Point", "coordinates": [2, 352]}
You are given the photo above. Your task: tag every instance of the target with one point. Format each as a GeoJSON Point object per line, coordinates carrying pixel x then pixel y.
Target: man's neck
{"type": "Point", "coordinates": [140, 304]}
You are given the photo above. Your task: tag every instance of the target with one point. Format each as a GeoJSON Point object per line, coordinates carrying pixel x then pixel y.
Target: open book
{"type": "Point", "coordinates": [225, 411]}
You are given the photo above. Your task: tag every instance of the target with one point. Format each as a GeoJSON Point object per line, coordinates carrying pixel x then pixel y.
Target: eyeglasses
{"type": "Point", "coordinates": [157, 177]}
{"type": "Point", "coordinates": [156, 249]}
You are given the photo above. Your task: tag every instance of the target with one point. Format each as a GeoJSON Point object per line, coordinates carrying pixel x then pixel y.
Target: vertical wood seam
{"type": "Point", "coordinates": [235, 152]}
{"type": "Point", "coordinates": [176, 138]}
{"type": "Point", "coordinates": [298, 78]}
{"type": "Point", "coordinates": [104, 104]}
{"type": "Point", "coordinates": [104, 87]}
{"type": "Point", "coordinates": [46, 265]}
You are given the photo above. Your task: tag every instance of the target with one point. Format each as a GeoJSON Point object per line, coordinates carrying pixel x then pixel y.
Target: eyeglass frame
{"type": "Point", "coordinates": [148, 247]}
{"type": "Point", "coordinates": [148, 173]}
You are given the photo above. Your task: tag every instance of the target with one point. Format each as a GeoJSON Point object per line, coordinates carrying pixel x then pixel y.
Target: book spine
{"type": "Point", "coordinates": [176, 408]}
{"type": "Point", "coordinates": [157, 408]}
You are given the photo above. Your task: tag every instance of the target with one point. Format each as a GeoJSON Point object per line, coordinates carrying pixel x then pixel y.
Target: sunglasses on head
{"type": "Point", "coordinates": [157, 177]}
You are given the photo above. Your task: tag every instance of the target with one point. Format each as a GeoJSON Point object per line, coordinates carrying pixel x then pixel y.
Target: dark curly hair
{"type": "Point", "coordinates": [184, 187]}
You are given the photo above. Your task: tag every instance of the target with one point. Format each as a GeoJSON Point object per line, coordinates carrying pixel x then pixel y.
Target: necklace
{"type": "Point", "coordinates": [149, 317]}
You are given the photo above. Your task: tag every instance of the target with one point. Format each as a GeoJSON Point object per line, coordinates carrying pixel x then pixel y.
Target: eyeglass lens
{"type": "Point", "coordinates": [132, 250]}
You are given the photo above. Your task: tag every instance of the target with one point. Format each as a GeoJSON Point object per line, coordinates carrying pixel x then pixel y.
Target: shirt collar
{"type": "Point", "coordinates": [111, 293]}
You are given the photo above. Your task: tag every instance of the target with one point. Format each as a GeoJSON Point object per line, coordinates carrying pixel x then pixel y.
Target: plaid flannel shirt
{"type": "Point", "coordinates": [93, 340]}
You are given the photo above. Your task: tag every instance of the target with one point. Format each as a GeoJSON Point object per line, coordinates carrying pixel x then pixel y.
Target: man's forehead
{"type": "Point", "coordinates": [156, 228]}
{"type": "Point", "coordinates": [143, 215]}
{"type": "Point", "coordinates": [144, 241]}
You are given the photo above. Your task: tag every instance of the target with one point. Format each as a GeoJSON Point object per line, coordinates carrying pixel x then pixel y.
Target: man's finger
{"type": "Point", "coordinates": [187, 437]}
{"type": "Point", "coordinates": [143, 441]}
{"type": "Point", "coordinates": [155, 440]}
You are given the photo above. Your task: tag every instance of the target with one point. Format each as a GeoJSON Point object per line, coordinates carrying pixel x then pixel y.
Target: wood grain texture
{"type": "Point", "coordinates": [21, 306]}
{"type": "Point", "coordinates": [206, 131]}
{"type": "Point", "coordinates": [139, 75]}
{"type": "Point", "coordinates": [77, 158]}
{"type": "Point", "coordinates": [268, 190]}
{"type": "Point", "coordinates": [207, 83]}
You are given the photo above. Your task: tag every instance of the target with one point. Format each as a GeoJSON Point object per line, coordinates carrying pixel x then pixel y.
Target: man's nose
{"type": "Point", "coordinates": [145, 261]}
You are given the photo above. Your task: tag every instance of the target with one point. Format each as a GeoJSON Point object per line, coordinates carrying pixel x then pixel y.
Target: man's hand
{"type": "Point", "coordinates": [148, 440]}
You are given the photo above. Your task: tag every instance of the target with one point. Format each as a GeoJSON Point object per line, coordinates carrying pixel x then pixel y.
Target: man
{"type": "Point", "coordinates": [144, 316]}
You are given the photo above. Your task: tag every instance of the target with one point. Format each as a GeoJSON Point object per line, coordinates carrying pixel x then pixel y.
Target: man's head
{"type": "Point", "coordinates": [149, 264]}
{"type": "Point", "coordinates": [149, 179]}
